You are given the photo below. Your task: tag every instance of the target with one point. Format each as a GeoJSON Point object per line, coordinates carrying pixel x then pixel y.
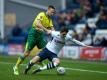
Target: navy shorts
{"type": "Point", "coordinates": [46, 54]}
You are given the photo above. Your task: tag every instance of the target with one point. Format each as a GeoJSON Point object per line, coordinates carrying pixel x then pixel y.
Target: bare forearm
{"type": "Point", "coordinates": [40, 26]}
{"type": "Point", "coordinates": [53, 29]}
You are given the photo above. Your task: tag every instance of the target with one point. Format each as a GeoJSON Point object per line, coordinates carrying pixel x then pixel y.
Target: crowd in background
{"type": "Point", "coordinates": [87, 20]}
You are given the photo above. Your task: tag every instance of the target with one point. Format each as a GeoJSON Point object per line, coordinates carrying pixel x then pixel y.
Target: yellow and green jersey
{"type": "Point", "coordinates": [46, 21]}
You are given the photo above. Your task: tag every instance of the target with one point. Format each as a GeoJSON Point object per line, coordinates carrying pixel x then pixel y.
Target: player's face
{"type": "Point", "coordinates": [51, 11]}
{"type": "Point", "coordinates": [63, 34]}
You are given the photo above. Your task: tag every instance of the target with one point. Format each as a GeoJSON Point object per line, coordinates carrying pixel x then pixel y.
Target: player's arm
{"type": "Point", "coordinates": [40, 26]}
{"type": "Point", "coordinates": [80, 43]}
{"type": "Point", "coordinates": [53, 28]}
{"type": "Point", "coordinates": [52, 33]}
{"type": "Point", "coordinates": [49, 32]}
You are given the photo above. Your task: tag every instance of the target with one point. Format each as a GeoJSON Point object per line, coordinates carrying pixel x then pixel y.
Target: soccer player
{"type": "Point", "coordinates": [42, 22]}
{"type": "Point", "coordinates": [52, 49]}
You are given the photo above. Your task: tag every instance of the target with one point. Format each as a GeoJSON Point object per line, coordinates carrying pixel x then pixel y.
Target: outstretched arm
{"type": "Point", "coordinates": [80, 43]}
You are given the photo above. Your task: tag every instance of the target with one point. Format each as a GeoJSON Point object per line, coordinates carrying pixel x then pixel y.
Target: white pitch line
{"type": "Point", "coordinates": [10, 63]}
{"type": "Point", "coordinates": [86, 70]}
{"type": "Point", "coordinates": [83, 70]}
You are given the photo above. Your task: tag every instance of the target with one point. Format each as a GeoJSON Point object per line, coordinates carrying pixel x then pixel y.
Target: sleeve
{"type": "Point", "coordinates": [54, 33]}
{"type": "Point", "coordinates": [40, 16]}
{"type": "Point", "coordinates": [69, 37]}
{"type": "Point", "coordinates": [78, 42]}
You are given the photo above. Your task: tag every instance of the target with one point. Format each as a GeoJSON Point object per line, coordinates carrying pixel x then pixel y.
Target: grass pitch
{"type": "Point", "coordinates": [75, 70]}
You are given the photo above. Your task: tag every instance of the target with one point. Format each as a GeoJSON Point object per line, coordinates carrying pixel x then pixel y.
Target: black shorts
{"type": "Point", "coordinates": [46, 54]}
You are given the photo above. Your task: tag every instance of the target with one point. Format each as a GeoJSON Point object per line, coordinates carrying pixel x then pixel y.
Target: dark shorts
{"type": "Point", "coordinates": [46, 54]}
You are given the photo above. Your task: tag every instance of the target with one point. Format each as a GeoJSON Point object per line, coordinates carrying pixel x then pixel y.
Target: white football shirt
{"type": "Point", "coordinates": [57, 43]}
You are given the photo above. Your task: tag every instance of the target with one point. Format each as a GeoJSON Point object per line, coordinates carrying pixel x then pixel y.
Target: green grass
{"type": "Point", "coordinates": [7, 62]}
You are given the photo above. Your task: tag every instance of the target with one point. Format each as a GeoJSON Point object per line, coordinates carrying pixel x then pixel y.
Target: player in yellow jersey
{"type": "Point", "coordinates": [42, 22]}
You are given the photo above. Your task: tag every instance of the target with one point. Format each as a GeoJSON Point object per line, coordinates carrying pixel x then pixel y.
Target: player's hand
{"type": "Point", "coordinates": [39, 29]}
{"type": "Point", "coordinates": [49, 32]}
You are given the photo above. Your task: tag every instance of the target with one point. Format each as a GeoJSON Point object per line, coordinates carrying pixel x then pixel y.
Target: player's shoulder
{"type": "Point", "coordinates": [42, 13]}
{"type": "Point", "coordinates": [55, 33]}
{"type": "Point", "coordinates": [69, 36]}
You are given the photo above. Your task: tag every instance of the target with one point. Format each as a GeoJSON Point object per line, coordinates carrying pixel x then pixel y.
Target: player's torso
{"type": "Point", "coordinates": [46, 21]}
{"type": "Point", "coordinates": [56, 44]}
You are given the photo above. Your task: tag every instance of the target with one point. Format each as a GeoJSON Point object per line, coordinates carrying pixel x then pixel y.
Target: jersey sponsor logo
{"type": "Point", "coordinates": [61, 42]}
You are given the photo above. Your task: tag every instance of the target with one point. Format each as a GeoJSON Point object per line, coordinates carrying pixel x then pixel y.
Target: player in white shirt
{"type": "Point", "coordinates": [51, 50]}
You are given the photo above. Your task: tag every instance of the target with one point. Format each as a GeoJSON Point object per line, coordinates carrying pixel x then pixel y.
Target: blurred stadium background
{"type": "Point", "coordinates": [86, 18]}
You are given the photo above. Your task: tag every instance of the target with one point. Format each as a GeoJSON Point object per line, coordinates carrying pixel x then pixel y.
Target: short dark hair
{"type": "Point", "coordinates": [64, 29]}
{"type": "Point", "coordinates": [50, 6]}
